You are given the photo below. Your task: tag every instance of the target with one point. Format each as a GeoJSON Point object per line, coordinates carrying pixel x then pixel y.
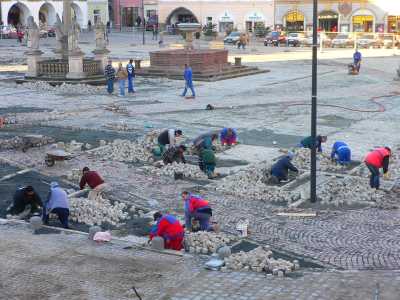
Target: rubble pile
{"type": "Point", "coordinates": [120, 127]}
{"type": "Point", "coordinates": [259, 260]}
{"type": "Point", "coordinates": [78, 89]}
{"type": "Point", "coordinates": [252, 183]}
{"type": "Point", "coordinates": [187, 170]}
{"type": "Point", "coordinates": [203, 242]}
{"type": "Point", "coordinates": [117, 109]}
{"type": "Point", "coordinates": [302, 161]}
{"type": "Point", "coordinates": [25, 142]}
{"type": "Point", "coordinates": [96, 210]}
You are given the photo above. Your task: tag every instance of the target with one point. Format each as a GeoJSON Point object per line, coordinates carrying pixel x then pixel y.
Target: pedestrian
{"type": "Point", "coordinates": [170, 229]}
{"type": "Point", "coordinates": [89, 25]}
{"type": "Point", "coordinates": [155, 32]}
{"type": "Point", "coordinates": [108, 27]}
{"type": "Point", "coordinates": [280, 169]}
{"type": "Point", "coordinates": [357, 58]}
{"type": "Point", "coordinates": [122, 75]}
{"type": "Point", "coordinates": [174, 154]}
{"type": "Point", "coordinates": [26, 202]}
{"type": "Point", "coordinates": [168, 137]}
{"type": "Point", "coordinates": [196, 208]}
{"type": "Point", "coordinates": [138, 21]}
{"type": "Point", "coordinates": [341, 153]}
{"type": "Point", "coordinates": [375, 160]}
{"type": "Point", "coordinates": [20, 35]}
{"type": "Point", "coordinates": [131, 76]}
{"type": "Point", "coordinates": [308, 142]}
{"type": "Point", "coordinates": [242, 41]}
{"type": "Point", "coordinates": [93, 180]}
{"type": "Point", "coordinates": [109, 72]}
{"type": "Point", "coordinates": [188, 76]}
{"type": "Point", "coordinates": [57, 203]}
{"type": "Point", "coordinates": [228, 136]}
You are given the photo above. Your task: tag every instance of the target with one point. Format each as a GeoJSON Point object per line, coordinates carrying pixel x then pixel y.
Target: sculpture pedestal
{"type": "Point", "coordinates": [101, 55]}
{"type": "Point", "coordinates": [75, 65]}
{"type": "Point", "coordinates": [33, 58]}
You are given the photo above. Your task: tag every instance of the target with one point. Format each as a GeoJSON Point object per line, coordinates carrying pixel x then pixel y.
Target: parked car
{"type": "Point", "coordinates": [275, 38]}
{"type": "Point", "coordinates": [369, 41]}
{"type": "Point", "coordinates": [389, 41]}
{"type": "Point", "coordinates": [5, 32]}
{"type": "Point", "coordinates": [14, 34]}
{"type": "Point", "coordinates": [296, 39]}
{"type": "Point", "coordinates": [342, 40]}
{"type": "Point", "coordinates": [327, 42]}
{"type": "Point", "coordinates": [51, 32]}
{"type": "Point", "coordinates": [43, 33]}
{"type": "Point", "coordinates": [232, 38]}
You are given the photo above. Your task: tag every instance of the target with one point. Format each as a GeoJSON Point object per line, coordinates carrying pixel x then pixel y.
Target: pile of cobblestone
{"type": "Point", "coordinates": [259, 260]}
{"type": "Point", "coordinates": [78, 89]}
{"type": "Point", "coordinates": [96, 210]}
{"type": "Point", "coordinates": [25, 142]}
{"type": "Point", "coordinates": [203, 242]}
{"type": "Point", "coordinates": [187, 170]}
{"type": "Point", "coordinates": [252, 182]}
{"type": "Point", "coordinates": [302, 160]}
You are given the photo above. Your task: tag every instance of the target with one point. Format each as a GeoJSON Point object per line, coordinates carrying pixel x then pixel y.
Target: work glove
{"type": "Point", "coordinates": [386, 176]}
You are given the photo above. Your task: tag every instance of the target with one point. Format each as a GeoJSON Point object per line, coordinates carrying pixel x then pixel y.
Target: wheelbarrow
{"type": "Point", "coordinates": [56, 155]}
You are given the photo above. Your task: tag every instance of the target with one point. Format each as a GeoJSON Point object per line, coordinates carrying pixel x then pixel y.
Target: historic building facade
{"type": "Point", "coordinates": [44, 12]}
{"type": "Point", "coordinates": [344, 16]}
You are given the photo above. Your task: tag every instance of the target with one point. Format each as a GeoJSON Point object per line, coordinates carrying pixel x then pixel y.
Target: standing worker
{"type": "Point", "coordinates": [93, 180]}
{"type": "Point", "coordinates": [57, 204]}
{"type": "Point", "coordinates": [174, 154]}
{"type": "Point", "coordinates": [198, 209]}
{"type": "Point", "coordinates": [228, 136]}
{"type": "Point", "coordinates": [26, 202]}
{"type": "Point", "coordinates": [131, 76]}
{"type": "Point", "coordinates": [376, 159]}
{"type": "Point", "coordinates": [341, 153]}
{"type": "Point", "coordinates": [170, 229]}
{"type": "Point", "coordinates": [168, 137]}
{"type": "Point", "coordinates": [308, 142]}
{"type": "Point", "coordinates": [280, 170]}
{"type": "Point", "coordinates": [188, 76]}
{"type": "Point", "coordinates": [109, 72]}
{"type": "Point", "coordinates": [357, 58]}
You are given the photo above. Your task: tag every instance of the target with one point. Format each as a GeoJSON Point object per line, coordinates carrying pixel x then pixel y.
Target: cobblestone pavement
{"type": "Point", "coordinates": [310, 285]}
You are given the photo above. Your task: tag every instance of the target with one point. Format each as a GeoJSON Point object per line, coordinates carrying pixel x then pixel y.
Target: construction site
{"type": "Point", "coordinates": [344, 246]}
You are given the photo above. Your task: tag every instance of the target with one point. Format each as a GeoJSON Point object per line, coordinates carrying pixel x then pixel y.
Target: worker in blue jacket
{"type": "Point", "coordinates": [357, 58]}
{"type": "Point", "coordinates": [280, 169]}
{"type": "Point", "coordinates": [188, 76]}
{"type": "Point", "coordinates": [341, 152]}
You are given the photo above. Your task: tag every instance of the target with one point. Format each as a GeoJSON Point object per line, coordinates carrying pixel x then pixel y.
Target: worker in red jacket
{"type": "Point", "coordinates": [170, 229]}
{"type": "Point", "coordinates": [198, 209]}
{"type": "Point", "coordinates": [93, 180]}
{"type": "Point", "coordinates": [376, 159]}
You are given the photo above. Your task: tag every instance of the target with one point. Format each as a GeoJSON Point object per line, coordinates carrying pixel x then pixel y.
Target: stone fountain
{"type": "Point", "coordinates": [69, 64]}
{"type": "Point", "coordinates": [207, 64]}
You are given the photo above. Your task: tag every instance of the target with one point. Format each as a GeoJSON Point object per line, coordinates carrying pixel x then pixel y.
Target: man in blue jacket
{"type": "Point", "coordinates": [280, 169]}
{"type": "Point", "coordinates": [357, 57]}
{"type": "Point", "coordinates": [341, 153]}
{"type": "Point", "coordinates": [57, 204]}
{"type": "Point", "coordinates": [188, 76]}
{"type": "Point", "coordinates": [131, 75]}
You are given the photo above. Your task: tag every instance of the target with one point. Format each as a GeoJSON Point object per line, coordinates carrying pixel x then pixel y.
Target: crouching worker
{"type": "Point", "coordinates": [228, 136]}
{"type": "Point", "coordinates": [308, 142]}
{"type": "Point", "coordinates": [379, 158]}
{"type": "Point", "coordinates": [174, 154]}
{"type": "Point", "coordinates": [168, 137]}
{"type": "Point", "coordinates": [280, 170]}
{"type": "Point", "coordinates": [207, 162]}
{"type": "Point", "coordinates": [198, 209]}
{"type": "Point", "coordinates": [341, 153]}
{"type": "Point", "coordinates": [57, 203]}
{"type": "Point", "coordinates": [170, 229]}
{"type": "Point", "coordinates": [26, 202]}
{"type": "Point", "coordinates": [93, 180]}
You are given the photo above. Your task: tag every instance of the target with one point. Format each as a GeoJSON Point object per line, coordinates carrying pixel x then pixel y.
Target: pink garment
{"type": "Point", "coordinates": [102, 236]}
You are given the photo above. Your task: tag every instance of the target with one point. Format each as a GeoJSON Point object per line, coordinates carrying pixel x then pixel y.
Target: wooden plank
{"type": "Point", "coordinates": [299, 214]}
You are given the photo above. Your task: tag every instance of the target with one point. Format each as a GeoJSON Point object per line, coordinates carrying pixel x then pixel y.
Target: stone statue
{"type": "Point", "coordinates": [100, 36]}
{"type": "Point", "coordinates": [73, 37]}
{"type": "Point", "coordinates": [33, 34]}
{"type": "Point", "coordinates": [61, 37]}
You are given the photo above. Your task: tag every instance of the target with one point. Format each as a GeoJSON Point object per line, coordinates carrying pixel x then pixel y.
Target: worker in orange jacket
{"type": "Point", "coordinates": [375, 160]}
{"type": "Point", "coordinates": [170, 229]}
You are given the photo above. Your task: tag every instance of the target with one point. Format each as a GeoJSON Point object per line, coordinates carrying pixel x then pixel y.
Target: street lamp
{"type": "Point", "coordinates": [313, 181]}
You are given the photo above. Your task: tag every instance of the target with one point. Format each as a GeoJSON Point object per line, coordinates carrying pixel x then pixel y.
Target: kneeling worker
{"type": "Point", "coordinates": [207, 162]}
{"type": "Point", "coordinates": [198, 209]}
{"type": "Point", "coordinates": [174, 154]}
{"type": "Point", "coordinates": [57, 204]}
{"type": "Point", "coordinates": [228, 136]}
{"type": "Point", "coordinates": [280, 169]}
{"type": "Point", "coordinates": [170, 229]}
{"type": "Point", "coordinates": [26, 202]}
{"type": "Point", "coordinates": [341, 153]}
{"type": "Point", "coordinates": [93, 180]}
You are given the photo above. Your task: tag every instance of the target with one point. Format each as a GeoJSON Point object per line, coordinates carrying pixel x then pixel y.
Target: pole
{"type": "Point", "coordinates": [144, 24]}
{"type": "Point", "coordinates": [313, 181]}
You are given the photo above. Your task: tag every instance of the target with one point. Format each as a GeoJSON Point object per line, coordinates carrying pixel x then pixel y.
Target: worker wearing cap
{"type": "Point", "coordinates": [198, 209]}
{"type": "Point", "coordinates": [168, 137]}
{"type": "Point", "coordinates": [308, 142]}
{"type": "Point", "coordinates": [375, 160]}
{"type": "Point", "coordinates": [57, 203]}
{"type": "Point", "coordinates": [280, 169]}
{"type": "Point", "coordinates": [341, 153]}
{"type": "Point", "coordinates": [93, 180]}
{"type": "Point", "coordinates": [170, 229]}
{"type": "Point", "coordinates": [26, 202]}
{"type": "Point", "coordinates": [228, 136]}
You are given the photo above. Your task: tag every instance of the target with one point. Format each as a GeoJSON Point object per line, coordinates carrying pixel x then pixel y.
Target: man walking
{"type": "Point", "coordinates": [109, 72]}
{"type": "Point", "coordinates": [131, 76]}
{"type": "Point", "coordinates": [357, 57]}
{"type": "Point", "coordinates": [188, 76]}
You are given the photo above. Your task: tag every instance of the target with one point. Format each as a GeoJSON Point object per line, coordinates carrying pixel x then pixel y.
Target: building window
{"type": "Point", "coordinates": [96, 16]}
{"type": "Point", "coordinates": [150, 13]}
{"type": "Point", "coordinates": [363, 23]}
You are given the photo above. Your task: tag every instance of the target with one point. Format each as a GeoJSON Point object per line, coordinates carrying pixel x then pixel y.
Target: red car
{"type": "Point", "coordinates": [275, 38]}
